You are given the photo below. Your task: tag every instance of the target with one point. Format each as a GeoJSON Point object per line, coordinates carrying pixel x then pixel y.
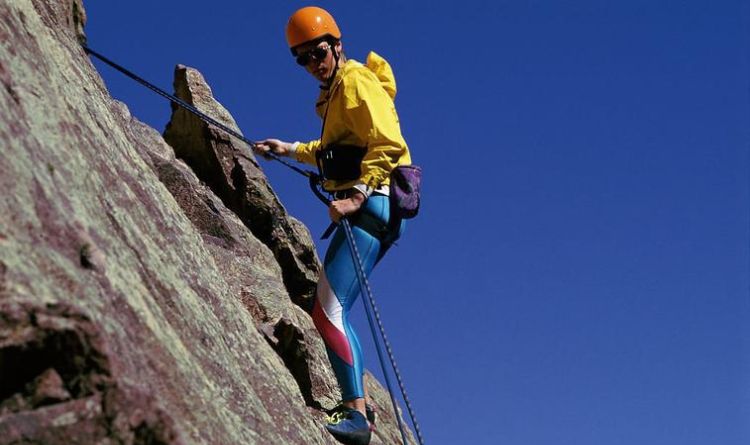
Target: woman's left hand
{"type": "Point", "coordinates": [344, 207]}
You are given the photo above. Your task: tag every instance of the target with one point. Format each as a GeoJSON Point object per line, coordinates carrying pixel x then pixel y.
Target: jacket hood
{"type": "Point", "coordinates": [383, 71]}
{"type": "Point", "coordinates": [377, 65]}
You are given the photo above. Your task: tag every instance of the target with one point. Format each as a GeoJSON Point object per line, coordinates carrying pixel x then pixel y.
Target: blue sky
{"type": "Point", "coordinates": [579, 272]}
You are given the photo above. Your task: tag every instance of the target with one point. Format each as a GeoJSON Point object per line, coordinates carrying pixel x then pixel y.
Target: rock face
{"type": "Point", "coordinates": [229, 168]}
{"type": "Point", "coordinates": [139, 305]}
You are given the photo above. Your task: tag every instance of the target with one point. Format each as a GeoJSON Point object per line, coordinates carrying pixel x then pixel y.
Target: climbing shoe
{"type": "Point", "coordinates": [369, 410]}
{"type": "Point", "coordinates": [349, 426]}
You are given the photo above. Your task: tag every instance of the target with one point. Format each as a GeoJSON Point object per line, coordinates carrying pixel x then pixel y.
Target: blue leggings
{"type": "Point", "coordinates": [338, 288]}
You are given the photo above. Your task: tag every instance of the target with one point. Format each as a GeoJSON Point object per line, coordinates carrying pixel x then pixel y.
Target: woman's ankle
{"type": "Point", "coordinates": [357, 404]}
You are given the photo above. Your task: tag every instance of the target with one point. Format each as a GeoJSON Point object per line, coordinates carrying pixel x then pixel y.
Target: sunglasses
{"type": "Point", "coordinates": [317, 53]}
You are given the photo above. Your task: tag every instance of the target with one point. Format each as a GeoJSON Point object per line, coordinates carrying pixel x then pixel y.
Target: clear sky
{"type": "Point", "coordinates": [579, 272]}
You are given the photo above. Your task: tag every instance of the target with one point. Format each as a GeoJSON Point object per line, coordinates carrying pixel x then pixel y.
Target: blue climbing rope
{"type": "Point", "coordinates": [203, 116]}
{"type": "Point", "coordinates": [366, 291]}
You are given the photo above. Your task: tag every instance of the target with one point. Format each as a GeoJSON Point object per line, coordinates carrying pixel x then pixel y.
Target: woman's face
{"type": "Point", "coordinates": [319, 66]}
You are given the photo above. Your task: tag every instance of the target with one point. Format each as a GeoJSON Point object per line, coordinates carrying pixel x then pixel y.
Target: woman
{"type": "Point", "coordinates": [360, 144]}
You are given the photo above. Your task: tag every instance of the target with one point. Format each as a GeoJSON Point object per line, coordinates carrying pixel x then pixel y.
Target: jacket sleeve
{"type": "Point", "coordinates": [305, 151]}
{"type": "Point", "coordinates": [371, 115]}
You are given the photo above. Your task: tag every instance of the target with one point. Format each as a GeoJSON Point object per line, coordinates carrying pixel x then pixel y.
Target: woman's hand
{"type": "Point", "coordinates": [344, 207]}
{"type": "Point", "coordinates": [274, 146]}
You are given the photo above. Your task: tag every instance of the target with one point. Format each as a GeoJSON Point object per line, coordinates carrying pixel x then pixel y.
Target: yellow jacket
{"type": "Point", "coordinates": [358, 110]}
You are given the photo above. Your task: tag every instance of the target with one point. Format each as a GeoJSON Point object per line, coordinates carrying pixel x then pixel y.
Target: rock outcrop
{"type": "Point", "coordinates": [228, 167]}
{"type": "Point", "coordinates": [141, 303]}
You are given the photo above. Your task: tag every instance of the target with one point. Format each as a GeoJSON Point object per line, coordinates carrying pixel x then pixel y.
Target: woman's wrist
{"type": "Point", "coordinates": [291, 148]}
{"type": "Point", "coordinates": [358, 197]}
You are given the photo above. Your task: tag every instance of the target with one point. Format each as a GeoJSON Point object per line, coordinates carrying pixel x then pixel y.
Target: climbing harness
{"type": "Point", "coordinates": [316, 184]}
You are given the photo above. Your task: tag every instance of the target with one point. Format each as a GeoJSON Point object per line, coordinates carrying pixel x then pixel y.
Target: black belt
{"type": "Point", "coordinates": [343, 194]}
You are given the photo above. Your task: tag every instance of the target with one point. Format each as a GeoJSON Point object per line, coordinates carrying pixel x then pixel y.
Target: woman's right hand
{"type": "Point", "coordinates": [274, 146]}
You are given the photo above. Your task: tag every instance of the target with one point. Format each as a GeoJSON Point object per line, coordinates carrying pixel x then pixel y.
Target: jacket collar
{"type": "Point", "coordinates": [343, 70]}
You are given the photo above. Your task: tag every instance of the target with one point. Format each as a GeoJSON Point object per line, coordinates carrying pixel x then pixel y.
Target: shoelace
{"type": "Point", "coordinates": [337, 417]}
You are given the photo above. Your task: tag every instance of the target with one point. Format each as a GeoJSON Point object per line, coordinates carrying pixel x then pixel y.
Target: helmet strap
{"type": "Point", "coordinates": [336, 57]}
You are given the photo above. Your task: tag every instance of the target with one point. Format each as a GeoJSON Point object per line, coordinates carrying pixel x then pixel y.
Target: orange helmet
{"type": "Point", "coordinates": [310, 23]}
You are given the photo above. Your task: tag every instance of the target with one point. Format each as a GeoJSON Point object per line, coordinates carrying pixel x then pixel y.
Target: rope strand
{"type": "Point", "coordinates": [365, 287]}
{"type": "Point", "coordinates": [203, 116]}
